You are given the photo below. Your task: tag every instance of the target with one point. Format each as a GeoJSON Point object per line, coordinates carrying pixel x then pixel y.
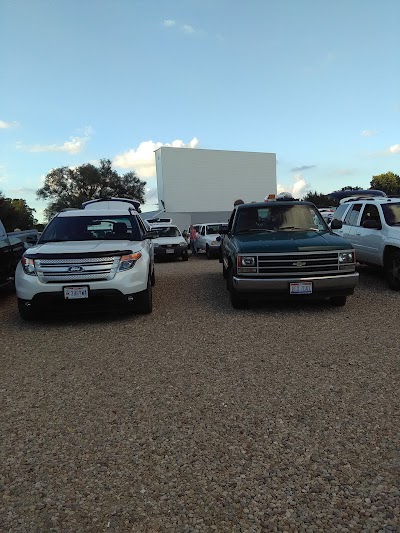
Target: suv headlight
{"type": "Point", "coordinates": [183, 244]}
{"type": "Point", "coordinates": [128, 261]}
{"type": "Point", "coordinates": [346, 257]}
{"type": "Point", "coordinates": [29, 266]}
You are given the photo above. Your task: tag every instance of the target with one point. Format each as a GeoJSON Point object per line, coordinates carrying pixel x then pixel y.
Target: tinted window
{"type": "Point", "coordinates": [352, 216]}
{"type": "Point", "coordinates": [391, 212]}
{"type": "Point", "coordinates": [370, 213]}
{"type": "Point", "coordinates": [340, 211]}
{"type": "Point", "coordinates": [171, 231]}
{"type": "Point", "coordinates": [92, 228]}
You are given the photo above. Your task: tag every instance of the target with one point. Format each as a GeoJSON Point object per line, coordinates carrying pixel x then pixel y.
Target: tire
{"type": "Point", "coordinates": [392, 271]}
{"type": "Point", "coordinates": [26, 313]}
{"type": "Point", "coordinates": [144, 300]}
{"type": "Point", "coordinates": [185, 256]}
{"type": "Point", "coordinates": [224, 272]}
{"type": "Point", "coordinates": [338, 301]}
{"type": "Point", "coordinates": [153, 278]}
{"type": "Point", "coordinates": [236, 301]}
{"type": "Point", "coordinates": [208, 253]}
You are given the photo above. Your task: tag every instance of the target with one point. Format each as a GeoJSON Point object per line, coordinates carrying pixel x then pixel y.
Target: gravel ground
{"type": "Point", "coordinates": [198, 417]}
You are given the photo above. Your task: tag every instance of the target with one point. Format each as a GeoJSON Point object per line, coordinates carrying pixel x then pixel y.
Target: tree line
{"type": "Point", "coordinates": [67, 187]}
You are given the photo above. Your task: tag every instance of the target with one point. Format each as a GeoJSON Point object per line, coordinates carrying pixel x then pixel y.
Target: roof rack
{"type": "Point", "coordinates": [134, 203]}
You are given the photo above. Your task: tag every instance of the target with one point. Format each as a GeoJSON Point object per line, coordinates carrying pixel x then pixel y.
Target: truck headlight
{"type": "Point", "coordinates": [183, 244]}
{"type": "Point", "coordinates": [29, 266]}
{"type": "Point", "coordinates": [246, 261]}
{"type": "Point", "coordinates": [346, 257]}
{"type": "Point", "coordinates": [128, 261]}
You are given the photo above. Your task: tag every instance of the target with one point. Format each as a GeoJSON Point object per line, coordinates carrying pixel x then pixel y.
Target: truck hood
{"type": "Point", "coordinates": [289, 241]}
{"type": "Point", "coordinates": [82, 248]}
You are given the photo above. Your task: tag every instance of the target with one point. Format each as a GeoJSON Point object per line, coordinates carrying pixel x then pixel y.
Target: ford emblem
{"type": "Point", "coordinates": [300, 263]}
{"type": "Point", "coordinates": [75, 269]}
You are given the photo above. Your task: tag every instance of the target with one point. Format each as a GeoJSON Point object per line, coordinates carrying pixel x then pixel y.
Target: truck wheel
{"type": "Point", "coordinates": [236, 301]}
{"type": "Point", "coordinates": [208, 254]}
{"type": "Point", "coordinates": [144, 300]}
{"type": "Point", "coordinates": [224, 272]}
{"type": "Point", "coordinates": [338, 301]}
{"type": "Point", "coordinates": [26, 313]}
{"type": "Point", "coordinates": [392, 271]}
{"type": "Point", "coordinates": [185, 256]}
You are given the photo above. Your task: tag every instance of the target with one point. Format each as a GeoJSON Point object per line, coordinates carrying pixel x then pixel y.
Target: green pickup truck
{"type": "Point", "coordinates": [285, 250]}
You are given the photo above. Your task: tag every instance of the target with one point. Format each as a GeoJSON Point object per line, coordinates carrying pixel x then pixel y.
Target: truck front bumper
{"type": "Point", "coordinates": [324, 286]}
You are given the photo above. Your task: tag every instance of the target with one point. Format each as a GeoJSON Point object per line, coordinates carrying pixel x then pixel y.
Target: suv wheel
{"type": "Point", "coordinates": [144, 300]}
{"type": "Point", "coordinates": [338, 301]}
{"type": "Point", "coordinates": [26, 313]}
{"type": "Point", "coordinates": [392, 271]}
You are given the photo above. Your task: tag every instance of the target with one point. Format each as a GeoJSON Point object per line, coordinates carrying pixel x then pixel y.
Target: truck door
{"type": "Point", "coordinates": [5, 255]}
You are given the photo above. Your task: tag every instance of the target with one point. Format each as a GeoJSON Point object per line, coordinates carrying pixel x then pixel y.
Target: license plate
{"type": "Point", "coordinates": [170, 251]}
{"type": "Point", "coordinates": [76, 293]}
{"type": "Point", "coordinates": [301, 288]}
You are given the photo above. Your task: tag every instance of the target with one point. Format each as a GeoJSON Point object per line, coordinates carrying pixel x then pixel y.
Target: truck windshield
{"type": "Point", "coordinates": [279, 217]}
{"type": "Point", "coordinates": [91, 228]}
{"type": "Point", "coordinates": [170, 231]}
{"type": "Point", "coordinates": [391, 212]}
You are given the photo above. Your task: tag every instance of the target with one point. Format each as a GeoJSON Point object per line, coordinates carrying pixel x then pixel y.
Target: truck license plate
{"type": "Point", "coordinates": [301, 288]}
{"type": "Point", "coordinates": [75, 293]}
{"type": "Point", "coordinates": [170, 250]}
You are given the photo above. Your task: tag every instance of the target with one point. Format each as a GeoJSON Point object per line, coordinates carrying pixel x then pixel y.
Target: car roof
{"type": "Point", "coordinates": [273, 203]}
{"type": "Point", "coordinates": [372, 199]}
{"type": "Point", "coordinates": [96, 212]}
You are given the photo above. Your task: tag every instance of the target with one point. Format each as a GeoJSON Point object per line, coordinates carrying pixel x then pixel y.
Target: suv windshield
{"type": "Point", "coordinates": [92, 228]}
{"type": "Point", "coordinates": [391, 212]}
{"type": "Point", "coordinates": [278, 217]}
{"type": "Point", "coordinates": [214, 229]}
{"type": "Point", "coordinates": [170, 231]}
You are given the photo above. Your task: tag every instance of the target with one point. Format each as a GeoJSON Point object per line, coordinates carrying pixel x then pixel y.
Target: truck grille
{"type": "Point", "coordinates": [298, 264]}
{"type": "Point", "coordinates": [83, 269]}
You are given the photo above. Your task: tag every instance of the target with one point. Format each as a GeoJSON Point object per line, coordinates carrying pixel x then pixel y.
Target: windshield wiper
{"type": "Point", "coordinates": [297, 228]}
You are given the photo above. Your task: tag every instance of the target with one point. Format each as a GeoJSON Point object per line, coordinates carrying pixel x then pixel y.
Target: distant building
{"type": "Point", "coordinates": [196, 185]}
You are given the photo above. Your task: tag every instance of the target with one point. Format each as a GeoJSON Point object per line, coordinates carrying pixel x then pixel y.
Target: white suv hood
{"type": "Point", "coordinates": [71, 247]}
{"type": "Point", "coordinates": [169, 240]}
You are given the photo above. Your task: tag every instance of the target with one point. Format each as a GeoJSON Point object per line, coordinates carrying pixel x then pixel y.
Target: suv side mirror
{"type": "Point", "coordinates": [371, 224]}
{"type": "Point", "coordinates": [150, 235]}
{"type": "Point", "coordinates": [31, 239]}
{"type": "Point", "coordinates": [336, 224]}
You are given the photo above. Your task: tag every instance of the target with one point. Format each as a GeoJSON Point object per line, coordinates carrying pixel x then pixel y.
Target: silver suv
{"type": "Point", "coordinates": [372, 226]}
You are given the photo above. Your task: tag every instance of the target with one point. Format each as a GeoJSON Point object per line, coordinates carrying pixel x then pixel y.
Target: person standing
{"type": "Point", "coordinates": [193, 239]}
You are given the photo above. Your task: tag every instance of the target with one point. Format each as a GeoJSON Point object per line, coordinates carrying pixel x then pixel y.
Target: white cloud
{"type": "Point", "coordinates": [368, 133]}
{"type": "Point", "coordinates": [298, 188]}
{"type": "Point", "coordinates": [187, 28]}
{"type": "Point", "coordinates": [6, 125]}
{"type": "Point", "coordinates": [74, 146]}
{"type": "Point", "coordinates": [142, 160]}
{"type": "Point", "coordinates": [169, 23]}
{"type": "Point", "coordinates": [395, 149]}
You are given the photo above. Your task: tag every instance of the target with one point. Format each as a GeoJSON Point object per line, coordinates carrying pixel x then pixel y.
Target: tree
{"type": "Point", "coordinates": [350, 188]}
{"type": "Point", "coordinates": [70, 187]}
{"type": "Point", "coordinates": [388, 183]}
{"type": "Point", "coordinates": [320, 200]}
{"type": "Point", "coordinates": [15, 213]}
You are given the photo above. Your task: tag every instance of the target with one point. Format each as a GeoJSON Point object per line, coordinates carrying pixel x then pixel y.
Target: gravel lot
{"type": "Point", "coordinates": [202, 418]}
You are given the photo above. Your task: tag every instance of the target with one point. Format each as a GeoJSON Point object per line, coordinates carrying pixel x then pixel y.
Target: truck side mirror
{"type": "Point", "coordinates": [336, 224]}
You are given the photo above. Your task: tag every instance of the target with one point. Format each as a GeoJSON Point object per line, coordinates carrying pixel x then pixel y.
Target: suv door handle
{"type": "Point", "coordinates": [357, 233]}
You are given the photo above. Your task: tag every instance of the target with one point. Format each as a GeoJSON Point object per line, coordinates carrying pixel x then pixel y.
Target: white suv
{"type": "Point", "coordinates": [372, 226]}
{"type": "Point", "coordinates": [169, 242]}
{"type": "Point", "coordinates": [89, 259]}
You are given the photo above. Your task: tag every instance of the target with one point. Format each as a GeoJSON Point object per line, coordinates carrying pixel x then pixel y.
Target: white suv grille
{"type": "Point", "coordinates": [75, 269]}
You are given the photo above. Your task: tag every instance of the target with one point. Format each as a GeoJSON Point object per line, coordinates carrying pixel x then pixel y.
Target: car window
{"type": "Point", "coordinates": [340, 211]}
{"type": "Point", "coordinates": [370, 213]}
{"type": "Point", "coordinates": [213, 229]}
{"type": "Point", "coordinates": [353, 214]}
{"type": "Point", "coordinates": [391, 212]}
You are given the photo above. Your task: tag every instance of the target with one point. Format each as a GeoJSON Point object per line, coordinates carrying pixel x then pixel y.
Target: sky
{"type": "Point", "coordinates": [315, 81]}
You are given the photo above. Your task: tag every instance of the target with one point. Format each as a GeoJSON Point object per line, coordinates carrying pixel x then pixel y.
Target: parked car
{"type": "Point", "coordinates": [285, 250]}
{"type": "Point", "coordinates": [92, 258]}
{"type": "Point", "coordinates": [12, 248]}
{"type": "Point", "coordinates": [169, 243]}
{"type": "Point", "coordinates": [208, 238]}
{"type": "Point", "coordinates": [372, 226]}
{"type": "Point", "coordinates": [327, 213]}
